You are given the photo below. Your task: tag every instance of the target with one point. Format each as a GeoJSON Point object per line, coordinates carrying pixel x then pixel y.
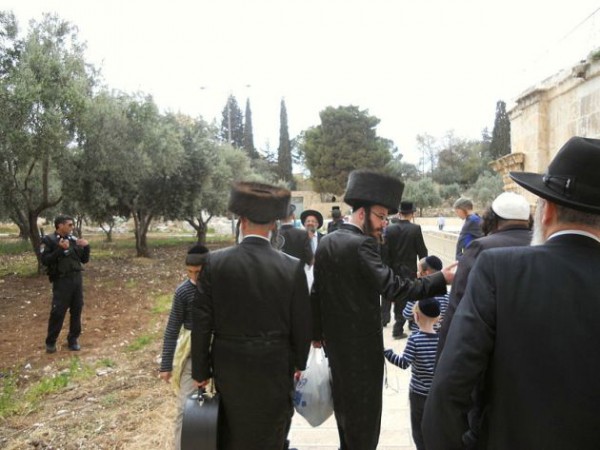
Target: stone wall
{"type": "Point", "coordinates": [547, 115]}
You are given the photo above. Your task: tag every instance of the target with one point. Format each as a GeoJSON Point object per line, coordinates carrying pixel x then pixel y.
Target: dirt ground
{"type": "Point", "coordinates": [121, 404]}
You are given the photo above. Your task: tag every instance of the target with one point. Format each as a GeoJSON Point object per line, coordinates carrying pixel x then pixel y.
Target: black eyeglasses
{"type": "Point", "coordinates": [558, 184]}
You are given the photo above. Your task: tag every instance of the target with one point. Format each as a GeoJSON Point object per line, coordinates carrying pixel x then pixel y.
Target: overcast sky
{"type": "Point", "coordinates": [424, 66]}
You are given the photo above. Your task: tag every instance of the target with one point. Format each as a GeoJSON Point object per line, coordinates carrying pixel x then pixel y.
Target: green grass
{"type": "Point", "coordinates": [13, 401]}
{"type": "Point", "coordinates": [106, 362]}
{"type": "Point", "coordinates": [24, 265]}
{"type": "Point", "coordinates": [8, 406]}
{"type": "Point", "coordinates": [14, 246]}
{"type": "Point", "coordinates": [141, 342]}
{"type": "Point", "coordinates": [162, 304]}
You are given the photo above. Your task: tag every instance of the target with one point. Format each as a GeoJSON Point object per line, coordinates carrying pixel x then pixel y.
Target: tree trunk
{"type": "Point", "coordinates": [21, 222]}
{"type": "Point", "coordinates": [200, 226]}
{"type": "Point", "coordinates": [142, 223]}
{"type": "Point", "coordinates": [35, 239]}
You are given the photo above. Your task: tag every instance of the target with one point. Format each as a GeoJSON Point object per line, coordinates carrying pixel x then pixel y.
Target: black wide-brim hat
{"type": "Point", "coordinates": [572, 178]}
{"type": "Point", "coordinates": [261, 203]}
{"type": "Point", "coordinates": [311, 212]}
{"type": "Point", "coordinates": [367, 187]}
{"type": "Point", "coordinates": [407, 208]}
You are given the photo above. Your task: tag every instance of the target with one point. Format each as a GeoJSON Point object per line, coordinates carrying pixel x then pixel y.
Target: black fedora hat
{"type": "Point", "coordinates": [572, 177]}
{"type": "Point", "coordinates": [407, 207]}
{"type": "Point", "coordinates": [261, 203]}
{"type": "Point", "coordinates": [312, 212]}
{"type": "Point", "coordinates": [368, 187]}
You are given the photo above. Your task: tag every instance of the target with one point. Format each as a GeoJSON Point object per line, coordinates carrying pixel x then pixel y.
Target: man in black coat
{"type": "Point", "coordinates": [294, 241]}
{"type": "Point", "coordinates": [312, 221]}
{"type": "Point", "coordinates": [506, 224]}
{"type": "Point", "coordinates": [508, 220]}
{"type": "Point", "coordinates": [540, 387]}
{"type": "Point", "coordinates": [349, 279]}
{"type": "Point", "coordinates": [251, 325]}
{"type": "Point", "coordinates": [403, 247]}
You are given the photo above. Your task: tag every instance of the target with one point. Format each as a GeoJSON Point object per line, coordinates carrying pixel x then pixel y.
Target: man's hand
{"type": "Point", "coordinates": [297, 375]}
{"type": "Point", "coordinates": [201, 384]}
{"type": "Point", "coordinates": [317, 344]}
{"type": "Point", "coordinates": [166, 376]}
{"type": "Point", "coordinates": [82, 242]}
{"type": "Point", "coordinates": [63, 243]}
{"type": "Point", "coordinates": [449, 272]}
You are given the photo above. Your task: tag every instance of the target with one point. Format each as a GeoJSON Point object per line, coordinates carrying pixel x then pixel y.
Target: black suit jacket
{"type": "Point", "coordinates": [349, 278]}
{"type": "Point", "coordinates": [404, 247]}
{"type": "Point", "coordinates": [541, 384]}
{"type": "Point", "coordinates": [296, 243]}
{"type": "Point", "coordinates": [251, 290]}
{"type": "Point", "coordinates": [509, 237]}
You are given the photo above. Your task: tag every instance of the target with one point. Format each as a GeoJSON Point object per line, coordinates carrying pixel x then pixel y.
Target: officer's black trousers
{"type": "Point", "coordinates": [67, 294]}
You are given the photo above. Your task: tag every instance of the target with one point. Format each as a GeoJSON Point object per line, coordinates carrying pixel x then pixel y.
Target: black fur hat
{"type": "Point", "coordinates": [261, 203]}
{"type": "Point", "coordinates": [367, 187]}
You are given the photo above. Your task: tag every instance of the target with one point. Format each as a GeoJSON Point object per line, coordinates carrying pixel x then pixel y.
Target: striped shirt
{"type": "Point", "coordinates": [420, 354]}
{"type": "Point", "coordinates": [181, 315]}
{"type": "Point", "coordinates": [407, 312]}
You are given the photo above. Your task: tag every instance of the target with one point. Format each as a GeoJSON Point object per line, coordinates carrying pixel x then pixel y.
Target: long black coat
{"type": "Point", "coordinates": [349, 278]}
{"type": "Point", "coordinates": [296, 243]}
{"type": "Point", "coordinates": [514, 236]}
{"type": "Point", "coordinates": [404, 246]}
{"type": "Point", "coordinates": [254, 300]}
{"type": "Point", "coordinates": [541, 386]}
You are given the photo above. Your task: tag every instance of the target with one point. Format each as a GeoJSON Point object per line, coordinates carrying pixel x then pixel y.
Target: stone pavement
{"type": "Point", "coordinates": [395, 421]}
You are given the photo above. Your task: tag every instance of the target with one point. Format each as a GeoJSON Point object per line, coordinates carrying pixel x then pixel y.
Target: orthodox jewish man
{"type": "Point", "coordinates": [539, 385]}
{"type": "Point", "coordinates": [349, 278]}
{"type": "Point", "coordinates": [312, 221]}
{"type": "Point", "coordinates": [253, 305]}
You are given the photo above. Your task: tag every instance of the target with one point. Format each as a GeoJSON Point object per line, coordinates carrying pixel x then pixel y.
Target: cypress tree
{"type": "Point", "coordinates": [248, 133]}
{"type": "Point", "coordinates": [284, 152]}
{"type": "Point", "coordinates": [500, 144]}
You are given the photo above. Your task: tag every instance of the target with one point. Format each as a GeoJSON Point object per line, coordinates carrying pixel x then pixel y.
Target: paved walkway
{"type": "Point", "coordinates": [395, 422]}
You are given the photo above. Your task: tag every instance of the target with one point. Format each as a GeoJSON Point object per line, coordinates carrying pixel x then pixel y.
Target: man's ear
{"type": "Point", "coordinates": [549, 213]}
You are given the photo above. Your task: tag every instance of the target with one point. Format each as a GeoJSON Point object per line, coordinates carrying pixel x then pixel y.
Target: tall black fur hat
{"type": "Point", "coordinates": [261, 203]}
{"type": "Point", "coordinates": [367, 187]}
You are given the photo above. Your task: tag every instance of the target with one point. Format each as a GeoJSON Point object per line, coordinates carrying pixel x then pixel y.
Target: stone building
{"type": "Point", "coordinates": [547, 115]}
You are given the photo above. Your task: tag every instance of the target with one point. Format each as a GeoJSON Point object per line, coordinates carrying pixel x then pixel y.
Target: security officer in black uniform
{"type": "Point", "coordinates": [63, 256]}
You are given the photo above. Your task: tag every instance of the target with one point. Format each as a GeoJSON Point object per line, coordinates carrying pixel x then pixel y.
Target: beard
{"type": "Point", "coordinates": [539, 231]}
{"type": "Point", "coordinates": [371, 230]}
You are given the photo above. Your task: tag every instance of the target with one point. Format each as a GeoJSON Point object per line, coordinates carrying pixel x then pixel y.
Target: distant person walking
{"type": "Point", "coordinates": [337, 219]}
{"type": "Point", "coordinates": [441, 222]}
{"type": "Point", "coordinates": [471, 229]}
{"type": "Point", "coordinates": [64, 255]}
{"type": "Point", "coordinates": [403, 247]}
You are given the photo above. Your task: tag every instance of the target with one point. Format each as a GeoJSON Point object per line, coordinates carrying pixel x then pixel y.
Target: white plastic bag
{"type": "Point", "coordinates": [312, 396]}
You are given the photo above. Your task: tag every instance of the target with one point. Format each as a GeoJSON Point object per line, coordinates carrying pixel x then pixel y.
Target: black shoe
{"type": "Point", "coordinates": [74, 347]}
{"type": "Point", "coordinates": [400, 336]}
{"type": "Point", "coordinates": [50, 348]}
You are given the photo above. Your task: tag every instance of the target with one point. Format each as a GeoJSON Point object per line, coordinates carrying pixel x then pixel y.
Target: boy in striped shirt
{"type": "Point", "coordinates": [419, 353]}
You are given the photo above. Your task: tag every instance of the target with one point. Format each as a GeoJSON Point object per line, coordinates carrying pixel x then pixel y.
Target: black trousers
{"type": "Point", "coordinates": [417, 406]}
{"type": "Point", "coordinates": [67, 295]}
{"type": "Point", "coordinates": [399, 320]}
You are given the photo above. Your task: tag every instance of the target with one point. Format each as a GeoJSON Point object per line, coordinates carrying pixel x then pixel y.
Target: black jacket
{"type": "Point", "coordinates": [59, 262]}
{"type": "Point", "coordinates": [253, 300]}
{"type": "Point", "coordinates": [404, 246]}
{"type": "Point", "coordinates": [296, 243]}
{"type": "Point", "coordinates": [509, 237]}
{"type": "Point", "coordinates": [541, 386]}
{"type": "Point", "coordinates": [349, 278]}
